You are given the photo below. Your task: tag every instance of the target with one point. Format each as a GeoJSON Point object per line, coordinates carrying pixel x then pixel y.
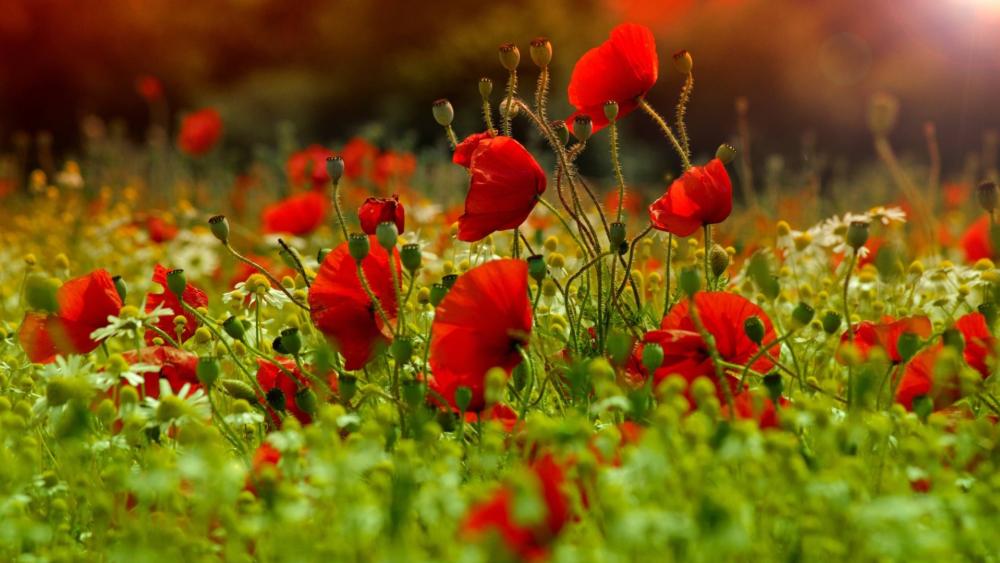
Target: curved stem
{"type": "Point", "coordinates": [685, 161]}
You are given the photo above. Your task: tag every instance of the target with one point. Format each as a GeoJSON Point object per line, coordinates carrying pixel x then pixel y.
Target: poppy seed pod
{"type": "Point", "coordinates": [438, 291]}
{"type": "Point", "coordinates": [583, 127]}
{"type": "Point", "coordinates": [386, 235]}
{"type": "Point", "coordinates": [616, 234]}
{"type": "Point", "coordinates": [774, 386]}
{"type": "Point", "coordinates": [335, 168]}
{"type": "Point", "coordinates": [276, 399]}
{"type": "Point", "coordinates": [831, 322]}
{"type": "Point", "coordinates": [176, 282]}
{"type": "Point", "coordinates": [401, 349]}
{"type": "Point", "coordinates": [358, 246]}
{"type": "Point", "coordinates": [449, 280]}
{"type": "Point", "coordinates": [463, 397]}
{"type": "Point", "coordinates": [652, 357]}
{"type": "Point", "coordinates": [857, 234]}
{"type": "Point", "coordinates": [220, 227]}
{"type": "Point", "coordinates": [234, 328]}
{"type": "Point", "coordinates": [689, 281]}
{"type": "Point", "coordinates": [562, 132]}
{"type": "Point", "coordinates": [987, 196]}
{"type": "Point", "coordinates": [207, 371]}
{"type": "Point", "coordinates": [305, 399]}
{"type": "Point", "coordinates": [485, 87]}
{"type": "Point", "coordinates": [803, 314]}
{"type": "Point", "coordinates": [907, 345]}
{"type": "Point", "coordinates": [414, 391]}
{"type": "Point", "coordinates": [411, 256]}
{"type": "Point", "coordinates": [291, 341]}
{"type": "Point", "coordinates": [683, 62]}
{"type": "Point", "coordinates": [120, 287]}
{"type": "Point", "coordinates": [725, 153]}
{"type": "Point", "coordinates": [753, 327]}
{"type": "Point", "coordinates": [444, 114]}
{"type": "Point", "coordinates": [611, 110]}
{"type": "Point", "coordinates": [541, 51]}
{"type": "Point", "coordinates": [510, 56]}
{"type": "Point", "coordinates": [537, 268]}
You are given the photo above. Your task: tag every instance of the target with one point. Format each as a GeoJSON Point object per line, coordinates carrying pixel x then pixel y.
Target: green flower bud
{"type": "Point", "coordinates": [537, 268]}
{"type": "Point", "coordinates": [219, 226]}
{"type": "Point", "coordinates": [923, 406]}
{"type": "Point", "coordinates": [449, 280]}
{"type": "Point", "coordinates": [541, 51]}
{"type": "Point", "coordinates": [411, 256]}
{"type": "Point", "coordinates": [857, 234]}
{"type": "Point", "coordinates": [583, 128]}
{"type": "Point", "coordinates": [463, 397]}
{"type": "Point", "coordinates": [495, 385]}
{"type": "Point", "coordinates": [401, 349]}
{"type": "Point", "coordinates": [725, 153]}
{"type": "Point", "coordinates": [718, 260]}
{"type": "Point", "coordinates": [40, 293]}
{"type": "Point", "coordinates": [234, 328]}
{"type": "Point", "coordinates": [683, 62]}
{"type": "Point", "coordinates": [239, 390]}
{"type": "Point", "coordinates": [413, 392]}
{"type": "Point", "coordinates": [176, 283]}
{"type": "Point", "coordinates": [689, 281]}
{"type": "Point", "coordinates": [128, 396]}
{"type": "Point", "coordinates": [386, 235]}
{"type": "Point", "coordinates": [291, 341]}
{"type": "Point", "coordinates": [444, 114]}
{"type": "Point", "coordinates": [358, 246]}
{"type": "Point", "coordinates": [652, 357]}
{"type": "Point", "coordinates": [907, 345]}
{"type": "Point", "coordinates": [561, 131]}
{"type": "Point", "coordinates": [438, 291]}
{"type": "Point", "coordinates": [831, 322]}
{"type": "Point", "coordinates": [510, 56]}
{"type": "Point", "coordinates": [616, 232]}
{"type": "Point", "coordinates": [803, 314]}
{"type": "Point", "coordinates": [753, 327]}
{"type": "Point", "coordinates": [774, 386]}
{"type": "Point", "coordinates": [611, 110]}
{"type": "Point", "coordinates": [335, 168]}
{"type": "Point", "coordinates": [305, 399]}
{"type": "Point", "coordinates": [208, 371]}
{"type": "Point", "coordinates": [120, 287]}
{"type": "Point", "coordinates": [347, 385]}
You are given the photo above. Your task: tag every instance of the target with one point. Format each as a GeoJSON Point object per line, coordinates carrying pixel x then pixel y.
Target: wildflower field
{"type": "Point", "coordinates": [485, 350]}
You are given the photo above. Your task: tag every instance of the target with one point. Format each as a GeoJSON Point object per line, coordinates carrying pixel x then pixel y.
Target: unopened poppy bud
{"type": "Point", "coordinates": [689, 281]}
{"type": "Point", "coordinates": [803, 314]}
{"type": "Point", "coordinates": [652, 357]}
{"type": "Point", "coordinates": [725, 153]}
{"type": "Point", "coordinates": [987, 196]}
{"type": "Point", "coordinates": [718, 259]}
{"type": "Point", "coordinates": [276, 399]}
{"type": "Point", "coordinates": [753, 327]}
{"type": "Point", "coordinates": [541, 51]}
{"type": "Point", "coordinates": [411, 256]}
{"type": "Point", "coordinates": [616, 234]}
{"type": "Point", "coordinates": [583, 127]}
{"type": "Point", "coordinates": [831, 322]}
{"type": "Point", "coordinates": [234, 328]}
{"type": "Point", "coordinates": [386, 235]}
{"type": "Point", "coordinates": [537, 268]}
{"type": "Point", "coordinates": [438, 291]}
{"type": "Point", "coordinates": [347, 385]}
{"type": "Point", "coordinates": [444, 114]}
{"type": "Point", "coordinates": [401, 349]}
{"type": "Point", "coordinates": [561, 131]}
{"type": "Point", "coordinates": [774, 386]}
{"type": "Point", "coordinates": [857, 234]}
{"type": "Point", "coordinates": [239, 390]}
{"type": "Point", "coordinates": [611, 110]}
{"type": "Point", "coordinates": [305, 399]}
{"type": "Point", "coordinates": [485, 87]}
{"type": "Point", "coordinates": [120, 287]}
{"type": "Point", "coordinates": [449, 280]}
{"type": "Point", "coordinates": [291, 341]}
{"type": "Point", "coordinates": [207, 371]}
{"type": "Point", "coordinates": [953, 337]}
{"type": "Point", "coordinates": [463, 397]}
{"type": "Point", "coordinates": [683, 62]}
{"type": "Point", "coordinates": [220, 227]}
{"type": "Point", "coordinates": [495, 384]}
{"type": "Point", "coordinates": [414, 392]}
{"type": "Point", "coordinates": [40, 292]}
{"type": "Point", "coordinates": [335, 168]}
{"type": "Point", "coordinates": [907, 345]}
{"type": "Point", "coordinates": [510, 56]}
{"type": "Point", "coordinates": [176, 282]}
{"type": "Point", "coordinates": [358, 245]}
{"type": "Point", "coordinates": [923, 406]}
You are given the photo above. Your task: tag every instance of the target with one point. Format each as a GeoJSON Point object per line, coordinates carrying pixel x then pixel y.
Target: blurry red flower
{"type": "Point", "coordinates": [622, 69]}
{"type": "Point", "coordinates": [395, 166]}
{"type": "Point", "coordinates": [885, 335]}
{"type": "Point", "coordinates": [979, 343]}
{"type": "Point", "coordinates": [265, 458]}
{"type": "Point", "coordinates": [161, 230]}
{"type": "Point", "coordinates": [270, 376]}
{"type": "Point", "coordinates": [499, 412]}
{"type": "Point", "coordinates": [340, 307]}
{"type": "Point", "coordinates": [764, 413]}
{"type": "Point", "coordinates": [631, 203]}
{"type": "Point", "coordinates": [149, 87]}
{"type": "Point", "coordinates": [505, 183]}
{"type": "Point", "coordinates": [479, 325]}
{"type": "Point", "coordinates": [192, 296]}
{"type": "Point", "coordinates": [85, 303]}
{"type": "Point", "coordinates": [359, 158]}
{"type": "Point", "coordinates": [297, 215]}
{"type": "Point", "coordinates": [176, 366]}
{"type": "Point", "coordinates": [702, 196]}
{"type": "Point", "coordinates": [308, 167]}
{"type": "Point", "coordinates": [377, 210]}
{"type": "Point", "coordinates": [200, 131]}
{"type": "Point", "coordinates": [976, 242]}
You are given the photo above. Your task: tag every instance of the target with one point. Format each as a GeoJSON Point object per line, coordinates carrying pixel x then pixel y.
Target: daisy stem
{"type": "Point", "coordinates": [371, 295]}
{"type": "Point", "coordinates": [847, 319]}
{"type": "Point", "coordinates": [685, 161]}
{"type": "Point", "coordinates": [166, 337]}
{"type": "Point", "coordinates": [511, 89]}
{"type": "Point", "coordinates": [274, 281]}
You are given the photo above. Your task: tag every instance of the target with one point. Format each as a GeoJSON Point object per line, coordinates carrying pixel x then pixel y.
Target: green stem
{"type": "Point", "coordinates": [685, 161]}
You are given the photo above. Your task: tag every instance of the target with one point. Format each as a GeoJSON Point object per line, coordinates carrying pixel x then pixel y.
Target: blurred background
{"type": "Point", "coordinates": [333, 68]}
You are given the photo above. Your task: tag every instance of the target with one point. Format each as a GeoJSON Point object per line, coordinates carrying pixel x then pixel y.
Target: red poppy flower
{"type": "Point", "coordinates": [149, 87]}
{"type": "Point", "coordinates": [505, 183]}
{"type": "Point", "coordinates": [976, 242]}
{"type": "Point", "coordinates": [885, 335]}
{"type": "Point", "coordinates": [200, 131]}
{"type": "Point", "coordinates": [297, 215]}
{"type": "Point", "coordinates": [270, 376]}
{"type": "Point", "coordinates": [377, 210]}
{"type": "Point", "coordinates": [160, 230]}
{"type": "Point", "coordinates": [308, 167]}
{"type": "Point", "coordinates": [479, 325]}
{"type": "Point", "coordinates": [622, 69]}
{"type": "Point", "coordinates": [919, 380]}
{"type": "Point", "coordinates": [176, 366]}
{"type": "Point", "coordinates": [359, 158]}
{"type": "Point", "coordinates": [192, 296]}
{"type": "Point", "coordinates": [979, 343]}
{"type": "Point", "coordinates": [85, 303]}
{"type": "Point", "coordinates": [747, 408]}
{"type": "Point", "coordinates": [499, 412]}
{"type": "Point", "coordinates": [723, 315]}
{"type": "Point", "coordinates": [340, 307]}
{"type": "Point", "coordinates": [701, 196]}
{"type": "Point", "coordinates": [265, 458]}
{"type": "Point", "coordinates": [496, 514]}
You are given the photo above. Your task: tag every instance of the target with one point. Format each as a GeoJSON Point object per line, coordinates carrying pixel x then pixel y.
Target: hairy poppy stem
{"type": "Point", "coordinates": [274, 281]}
{"type": "Point", "coordinates": [208, 323]}
{"type": "Point", "coordinates": [340, 212]}
{"type": "Point", "coordinates": [371, 295]}
{"type": "Point", "coordinates": [617, 165]}
{"type": "Point", "coordinates": [685, 161]}
{"type": "Point", "coordinates": [764, 349]}
{"type": "Point", "coordinates": [295, 258]}
{"type": "Point", "coordinates": [509, 110]}
{"type": "Point", "coordinates": [681, 111]}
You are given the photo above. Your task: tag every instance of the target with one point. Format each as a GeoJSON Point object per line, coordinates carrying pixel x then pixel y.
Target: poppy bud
{"type": "Point", "coordinates": [410, 255]}
{"type": "Point", "coordinates": [510, 56]}
{"type": "Point", "coordinates": [120, 287]}
{"type": "Point", "coordinates": [485, 87]}
{"type": "Point", "coordinates": [923, 406]}
{"type": "Point", "coordinates": [619, 345]}
{"type": "Point", "coordinates": [386, 235]}
{"type": "Point", "coordinates": [176, 282]}
{"type": "Point", "coordinates": [234, 328]}
{"type": "Point", "coordinates": [689, 281]}
{"type": "Point", "coordinates": [562, 132]}
{"type": "Point", "coordinates": [495, 384]}
{"type": "Point", "coordinates": [335, 168]}
{"type": "Point", "coordinates": [305, 399]}
{"type": "Point", "coordinates": [989, 311]}
{"type": "Point", "coordinates": [239, 390]}
{"type": "Point", "coordinates": [952, 337]}
{"type": "Point", "coordinates": [907, 345]}
{"type": "Point", "coordinates": [348, 387]}
{"type": "Point", "coordinates": [803, 314]}
{"type": "Point", "coordinates": [276, 399]}
{"type": "Point", "coordinates": [616, 234]}
{"type": "Point", "coordinates": [541, 51]}
{"type": "Point", "coordinates": [438, 291]}
{"type": "Point", "coordinates": [611, 110]}
{"type": "Point", "coordinates": [831, 322]}
{"type": "Point", "coordinates": [774, 386]}
{"type": "Point", "coordinates": [207, 371]}
{"type": "Point", "coordinates": [291, 341]}
{"type": "Point", "coordinates": [537, 268]}
{"type": "Point", "coordinates": [444, 114]}
{"type": "Point", "coordinates": [220, 227]}
{"type": "Point", "coordinates": [987, 196]}
{"type": "Point", "coordinates": [321, 254]}
{"type": "Point", "coordinates": [463, 397]}
{"type": "Point", "coordinates": [683, 62]}
{"type": "Point", "coordinates": [882, 113]}
{"type": "Point", "coordinates": [449, 280]}
{"type": "Point", "coordinates": [358, 246]}
{"type": "Point", "coordinates": [753, 327]}
{"type": "Point", "coordinates": [40, 292]}
{"type": "Point", "coordinates": [718, 259]}
{"type": "Point", "coordinates": [652, 357]}
{"type": "Point", "coordinates": [277, 346]}
{"type": "Point", "coordinates": [583, 127]}
{"type": "Point", "coordinates": [414, 392]}
{"type": "Point", "coordinates": [725, 153]}
{"type": "Point", "coordinates": [857, 234]}
{"type": "Point", "coordinates": [401, 349]}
